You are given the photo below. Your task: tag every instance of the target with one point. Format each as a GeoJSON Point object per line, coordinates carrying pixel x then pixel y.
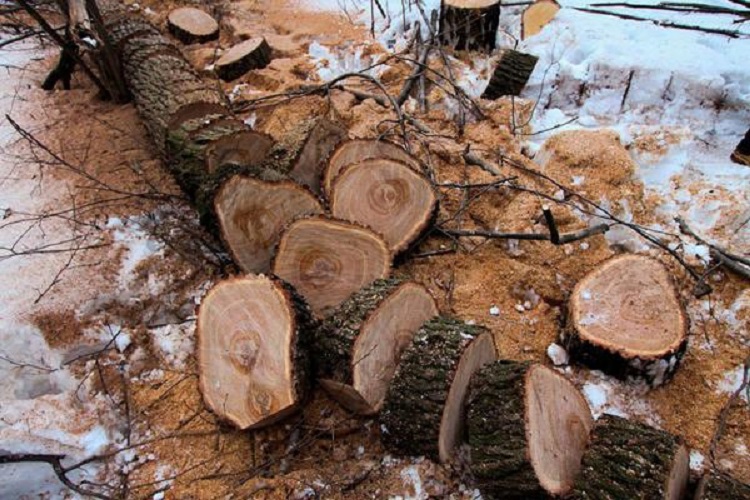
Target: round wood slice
{"type": "Point", "coordinates": [625, 318]}
{"type": "Point", "coordinates": [629, 460]}
{"type": "Point", "coordinates": [469, 24]}
{"type": "Point", "coordinates": [328, 260]}
{"type": "Point", "coordinates": [245, 148]}
{"type": "Point", "coordinates": [250, 54]}
{"type": "Point", "coordinates": [252, 213]}
{"type": "Point", "coordinates": [537, 16]}
{"type": "Point", "coordinates": [359, 346]}
{"type": "Point", "coordinates": [423, 413]}
{"type": "Point", "coordinates": [196, 110]}
{"type": "Point", "coordinates": [251, 352]}
{"type": "Point", "coordinates": [357, 150]}
{"type": "Point", "coordinates": [719, 486]}
{"type": "Point", "coordinates": [190, 25]}
{"type": "Point", "coordinates": [527, 427]}
{"type": "Point", "coordinates": [511, 74]}
{"type": "Point", "coordinates": [387, 196]}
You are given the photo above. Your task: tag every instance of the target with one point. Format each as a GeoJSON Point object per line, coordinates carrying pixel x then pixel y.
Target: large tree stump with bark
{"type": "Point", "coordinates": [252, 351]}
{"type": "Point", "coordinates": [191, 25]}
{"type": "Point", "coordinates": [359, 346]}
{"type": "Point", "coordinates": [716, 485]}
{"type": "Point", "coordinates": [387, 196]}
{"type": "Point", "coordinates": [423, 413]}
{"type": "Point", "coordinates": [243, 57]}
{"type": "Point", "coordinates": [511, 75]}
{"type": "Point", "coordinates": [328, 260]}
{"type": "Point", "coordinates": [626, 319]}
{"type": "Point", "coordinates": [469, 24]}
{"type": "Point", "coordinates": [629, 460]}
{"type": "Point", "coordinates": [527, 427]}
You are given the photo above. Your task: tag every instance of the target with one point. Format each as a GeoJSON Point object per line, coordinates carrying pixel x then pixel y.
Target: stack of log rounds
{"type": "Point", "coordinates": [511, 75]}
{"type": "Point", "coordinates": [719, 486]}
{"type": "Point", "coordinates": [631, 460]}
{"type": "Point", "coordinates": [527, 427]}
{"type": "Point", "coordinates": [386, 196]}
{"type": "Point", "coordinates": [469, 24]}
{"type": "Point", "coordinates": [359, 346]}
{"type": "Point", "coordinates": [254, 53]}
{"type": "Point", "coordinates": [191, 25]}
{"type": "Point", "coordinates": [626, 319]}
{"type": "Point", "coordinates": [252, 351]}
{"type": "Point", "coordinates": [328, 260]}
{"type": "Point", "coordinates": [423, 413]}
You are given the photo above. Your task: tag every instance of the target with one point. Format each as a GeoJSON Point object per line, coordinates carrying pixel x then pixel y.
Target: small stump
{"type": "Point", "coordinates": [190, 25]}
{"type": "Point", "coordinates": [469, 24]}
{"type": "Point", "coordinates": [248, 55]}
{"type": "Point", "coordinates": [511, 75]}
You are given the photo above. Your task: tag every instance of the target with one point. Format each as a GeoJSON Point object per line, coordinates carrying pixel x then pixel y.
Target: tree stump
{"type": "Point", "coordinates": [423, 413]}
{"type": "Point", "coordinates": [386, 196]}
{"type": "Point", "coordinates": [251, 350]}
{"type": "Point", "coordinates": [190, 25]}
{"type": "Point", "coordinates": [629, 460]}
{"type": "Point", "coordinates": [719, 486]}
{"type": "Point", "coordinates": [357, 150]}
{"type": "Point", "coordinates": [511, 74]}
{"type": "Point", "coordinates": [359, 346]}
{"type": "Point", "coordinates": [469, 24]}
{"type": "Point", "coordinates": [328, 260]}
{"type": "Point", "coordinates": [528, 427]}
{"type": "Point", "coordinates": [248, 55]}
{"type": "Point", "coordinates": [626, 319]}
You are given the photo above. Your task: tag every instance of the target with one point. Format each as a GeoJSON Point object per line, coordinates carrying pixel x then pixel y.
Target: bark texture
{"type": "Point", "coordinates": [510, 75]}
{"type": "Point", "coordinates": [469, 24]}
{"type": "Point", "coordinates": [719, 486]}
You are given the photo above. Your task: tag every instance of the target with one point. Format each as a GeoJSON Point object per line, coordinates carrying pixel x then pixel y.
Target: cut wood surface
{"type": "Point", "coordinates": [359, 346]}
{"type": "Point", "coordinates": [328, 260]}
{"type": "Point", "coordinates": [386, 196]}
{"type": "Point", "coordinates": [511, 74]}
{"type": "Point", "coordinates": [251, 350]}
{"type": "Point", "coordinates": [244, 148]}
{"type": "Point", "coordinates": [629, 460]}
{"type": "Point", "coordinates": [625, 318]}
{"type": "Point", "coordinates": [469, 24]}
{"type": "Point", "coordinates": [719, 486]}
{"type": "Point", "coordinates": [423, 413]}
{"type": "Point", "coordinates": [527, 428]}
{"type": "Point", "coordinates": [537, 16]}
{"type": "Point", "coordinates": [191, 25]}
{"type": "Point", "coordinates": [357, 150]}
{"type": "Point", "coordinates": [243, 57]}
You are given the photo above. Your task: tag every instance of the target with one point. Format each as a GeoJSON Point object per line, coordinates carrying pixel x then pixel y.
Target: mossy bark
{"type": "Point", "coordinates": [511, 75]}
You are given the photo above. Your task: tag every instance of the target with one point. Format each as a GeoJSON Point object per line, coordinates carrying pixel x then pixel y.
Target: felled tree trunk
{"type": "Point", "coordinates": [511, 75]}
{"type": "Point", "coordinates": [527, 427]}
{"type": "Point", "coordinates": [252, 351]}
{"type": "Point", "coordinates": [718, 486]}
{"type": "Point", "coordinates": [359, 346]}
{"type": "Point", "coordinates": [626, 319]}
{"type": "Point", "coordinates": [191, 25]}
{"type": "Point", "coordinates": [629, 460]}
{"type": "Point", "coordinates": [250, 54]}
{"type": "Point", "coordinates": [469, 24]}
{"type": "Point", "coordinates": [423, 413]}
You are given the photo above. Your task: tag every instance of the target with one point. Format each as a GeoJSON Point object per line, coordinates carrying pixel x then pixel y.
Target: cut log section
{"type": "Point", "coordinates": [527, 427]}
{"type": "Point", "coordinates": [537, 16]}
{"type": "Point", "coordinates": [251, 350]}
{"type": "Point", "coordinates": [248, 55]}
{"type": "Point", "coordinates": [190, 25]}
{"type": "Point", "coordinates": [626, 319]}
{"type": "Point", "coordinates": [469, 24]}
{"type": "Point", "coordinates": [245, 149]}
{"type": "Point", "coordinates": [423, 413]}
{"type": "Point", "coordinates": [329, 260]}
{"type": "Point", "coordinates": [719, 486]}
{"type": "Point", "coordinates": [634, 461]}
{"type": "Point", "coordinates": [511, 75]}
{"type": "Point", "coordinates": [359, 346]}
{"type": "Point", "coordinates": [386, 196]}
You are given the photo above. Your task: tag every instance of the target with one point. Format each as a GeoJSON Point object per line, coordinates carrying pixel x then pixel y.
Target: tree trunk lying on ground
{"type": "Point", "coordinates": [511, 75]}
{"type": "Point", "coordinates": [718, 486]}
{"type": "Point", "coordinates": [423, 413]}
{"type": "Point", "coordinates": [328, 260]}
{"type": "Point", "coordinates": [251, 350]}
{"type": "Point", "coordinates": [527, 427]}
{"type": "Point", "coordinates": [359, 346]}
{"type": "Point", "coordinates": [191, 25]}
{"type": "Point", "coordinates": [469, 24]}
{"type": "Point", "coordinates": [626, 319]}
{"type": "Point", "coordinates": [631, 460]}
{"type": "Point", "coordinates": [250, 54]}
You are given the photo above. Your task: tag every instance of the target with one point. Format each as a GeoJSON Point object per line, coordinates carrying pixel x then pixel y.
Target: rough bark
{"type": "Point", "coordinates": [248, 55]}
{"type": "Point", "coordinates": [741, 154]}
{"type": "Point", "coordinates": [423, 412]}
{"type": "Point", "coordinates": [469, 24]}
{"type": "Point", "coordinates": [719, 486]}
{"type": "Point", "coordinates": [626, 319]}
{"type": "Point", "coordinates": [510, 75]}
{"type": "Point", "coordinates": [632, 461]}
{"type": "Point", "coordinates": [359, 346]}
{"type": "Point", "coordinates": [527, 430]}
{"type": "Point", "coordinates": [190, 25]}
